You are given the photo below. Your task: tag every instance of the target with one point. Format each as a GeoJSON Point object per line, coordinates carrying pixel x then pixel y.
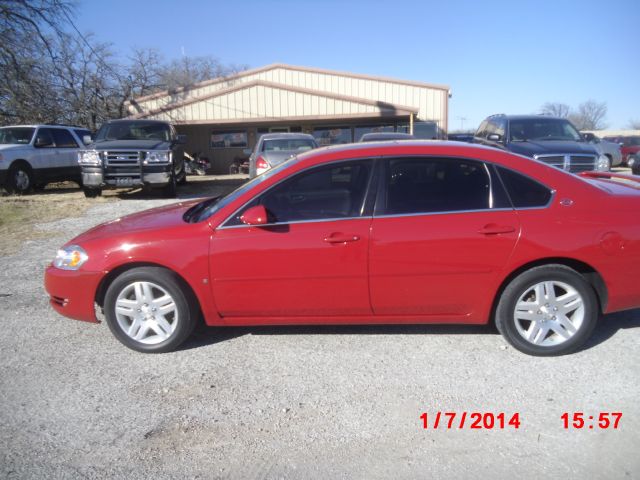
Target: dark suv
{"type": "Point", "coordinates": [549, 139]}
{"type": "Point", "coordinates": [132, 153]}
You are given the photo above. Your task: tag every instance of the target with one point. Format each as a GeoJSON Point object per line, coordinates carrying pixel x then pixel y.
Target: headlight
{"type": "Point", "coordinates": [70, 258]}
{"type": "Point", "coordinates": [88, 157]}
{"type": "Point", "coordinates": [157, 157]}
{"type": "Point", "coordinates": [603, 164]}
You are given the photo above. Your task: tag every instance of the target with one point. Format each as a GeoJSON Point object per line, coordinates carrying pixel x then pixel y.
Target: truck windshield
{"type": "Point", "coordinates": [543, 129]}
{"type": "Point", "coordinates": [16, 135]}
{"type": "Point", "coordinates": [134, 131]}
{"type": "Point", "coordinates": [287, 144]}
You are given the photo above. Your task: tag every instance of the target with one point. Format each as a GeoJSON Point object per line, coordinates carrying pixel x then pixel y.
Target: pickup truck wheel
{"type": "Point", "coordinates": [92, 192]}
{"type": "Point", "coordinates": [149, 310]}
{"type": "Point", "coordinates": [182, 176]}
{"type": "Point", "coordinates": [20, 179]}
{"type": "Point", "coordinates": [171, 190]}
{"type": "Point", "coordinates": [547, 311]}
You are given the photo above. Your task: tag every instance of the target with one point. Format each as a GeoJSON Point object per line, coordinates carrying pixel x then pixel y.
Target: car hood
{"type": "Point", "coordinates": [541, 147]}
{"type": "Point", "coordinates": [131, 145]}
{"type": "Point", "coordinates": [154, 219]}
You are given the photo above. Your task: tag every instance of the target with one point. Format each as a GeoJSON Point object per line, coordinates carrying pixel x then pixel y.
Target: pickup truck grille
{"type": "Point", "coordinates": [571, 163]}
{"type": "Point", "coordinates": [122, 159]}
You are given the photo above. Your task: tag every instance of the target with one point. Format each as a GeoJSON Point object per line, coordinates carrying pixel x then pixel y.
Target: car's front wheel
{"type": "Point", "coordinates": [20, 179]}
{"type": "Point", "coordinates": [149, 310]}
{"type": "Point", "coordinates": [547, 310]}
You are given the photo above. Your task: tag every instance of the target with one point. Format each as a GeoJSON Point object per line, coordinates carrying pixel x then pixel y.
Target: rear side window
{"type": "Point", "coordinates": [524, 192]}
{"type": "Point", "coordinates": [431, 185]}
{"type": "Point", "coordinates": [63, 138]}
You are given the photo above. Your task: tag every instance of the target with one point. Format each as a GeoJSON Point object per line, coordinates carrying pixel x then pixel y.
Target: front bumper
{"type": "Point", "coordinates": [72, 293]}
{"type": "Point", "coordinates": [153, 176]}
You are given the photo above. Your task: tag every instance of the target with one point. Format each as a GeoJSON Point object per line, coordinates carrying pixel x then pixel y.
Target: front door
{"type": "Point", "coordinates": [439, 239]}
{"type": "Point", "coordinates": [309, 261]}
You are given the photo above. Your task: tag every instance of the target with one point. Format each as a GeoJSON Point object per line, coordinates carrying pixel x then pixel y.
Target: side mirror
{"type": "Point", "coordinates": [255, 216]}
{"type": "Point", "coordinates": [247, 152]}
{"type": "Point", "coordinates": [181, 139]}
{"type": "Point", "coordinates": [87, 139]}
{"type": "Point", "coordinates": [42, 142]}
{"type": "Point", "coordinates": [589, 137]}
{"type": "Point", "coordinates": [494, 137]}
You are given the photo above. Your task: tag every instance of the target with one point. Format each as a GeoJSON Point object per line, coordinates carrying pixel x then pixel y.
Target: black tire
{"type": "Point", "coordinates": [92, 192]}
{"type": "Point", "coordinates": [550, 316]}
{"type": "Point", "coordinates": [176, 326]}
{"type": "Point", "coordinates": [19, 179]}
{"type": "Point", "coordinates": [636, 166]}
{"type": "Point", "coordinates": [182, 177]}
{"type": "Point", "coordinates": [171, 190]}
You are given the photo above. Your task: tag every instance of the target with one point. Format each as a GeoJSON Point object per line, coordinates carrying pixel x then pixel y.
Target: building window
{"type": "Point", "coordinates": [360, 131]}
{"type": "Point", "coordinates": [425, 130]}
{"type": "Point", "coordinates": [332, 135]}
{"type": "Point", "coordinates": [229, 139]}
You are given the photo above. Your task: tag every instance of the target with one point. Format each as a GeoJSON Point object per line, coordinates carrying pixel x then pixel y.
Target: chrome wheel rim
{"type": "Point", "coordinates": [21, 180]}
{"type": "Point", "coordinates": [549, 313]}
{"type": "Point", "coordinates": [146, 313]}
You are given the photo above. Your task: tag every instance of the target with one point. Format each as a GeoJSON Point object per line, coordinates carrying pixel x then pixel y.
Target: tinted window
{"type": "Point", "coordinates": [134, 130]}
{"type": "Point", "coordinates": [16, 135]}
{"type": "Point", "coordinates": [322, 193]}
{"type": "Point", "coordinates": [63, 138]}
{"type": "Point", "coordinates": [45, 135]}
{"type": "Point", "coordinates": [541, 128]}
{"type": "Point", "coordinates": [288, 144]}
{"type": "Point", "coordinates": [524, 192]}
{"type": "Point", "coordinates": [425, 185]}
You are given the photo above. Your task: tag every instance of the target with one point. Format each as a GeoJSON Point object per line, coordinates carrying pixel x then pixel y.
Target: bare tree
{"type": "Point", "coordinates": [590, 116]}
{"type": "Point", "coordinates": [186, 71]}
{"type": "Point", "coordinates": [556, 109]}
{"type": "Point", "coordinates": [634, 124]}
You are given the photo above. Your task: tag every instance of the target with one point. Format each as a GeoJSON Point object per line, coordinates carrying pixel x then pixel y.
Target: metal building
{"type": "Point", "coordinates": [224, 116]}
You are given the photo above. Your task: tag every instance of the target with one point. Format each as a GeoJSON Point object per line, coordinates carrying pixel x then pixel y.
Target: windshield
{"type": "Point", "coordinates": [542, 129]}
{"type": "Point", "coordinates": [287, 144]}
{"type": "Point", "coordinates": [134, 131]}
{"type": "Point", "coordinates": [213, 207]}
{"type": "Point", "coordinates": [16, 135]}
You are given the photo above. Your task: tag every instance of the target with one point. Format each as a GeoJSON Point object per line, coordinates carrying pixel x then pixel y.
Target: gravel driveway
{"type": "Point", "coordinates": [297, 402]}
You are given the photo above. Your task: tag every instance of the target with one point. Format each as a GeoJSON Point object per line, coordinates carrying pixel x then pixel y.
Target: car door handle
{"type": "Point", "coordinates": [341, 238]}
{"type": "Point", "coordinates": [493, 229]}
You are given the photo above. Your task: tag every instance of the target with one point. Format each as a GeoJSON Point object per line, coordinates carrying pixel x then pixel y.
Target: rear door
{"type": "Point", "coordinates": [310, 260]}
{"type": "Point", "coordinates": [441, 234]}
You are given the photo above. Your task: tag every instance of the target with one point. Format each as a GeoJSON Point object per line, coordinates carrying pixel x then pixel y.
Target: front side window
{"type": "Point", "coordinates": [328, 192]}
{"type": "Point", "coordinates": [432, 185]}
{"type": "Point", "coordinates": [63, 138]}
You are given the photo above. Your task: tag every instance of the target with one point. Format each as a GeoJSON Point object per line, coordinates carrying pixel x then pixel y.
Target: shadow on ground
{"type": "Point", "coordinates": [608, 326]}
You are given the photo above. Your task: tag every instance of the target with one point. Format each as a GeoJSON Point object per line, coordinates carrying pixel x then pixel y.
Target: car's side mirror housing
{"type": "Point", "coordinates": [494, 137]}
{"type": "Point", "coordinates": [589, 137]}
{"type": "Point", "coordinates": [255, 216]}
{"type": "Point", "coordinates": [181, 139]}
{"type": "Point", "coordinates": [87, 139]}
{"type": "Point", "coordinates": [42, 142]}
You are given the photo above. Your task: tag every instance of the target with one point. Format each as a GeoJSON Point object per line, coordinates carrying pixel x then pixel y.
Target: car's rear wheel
{"type": "Point", "coordinates": [92, 192]}
{"type": "Point", "coordinates": [548, 310]}
{"type": "Point", "coordinates": [149, 310]}
{"type": "Point", "coordinates": [20, 179]}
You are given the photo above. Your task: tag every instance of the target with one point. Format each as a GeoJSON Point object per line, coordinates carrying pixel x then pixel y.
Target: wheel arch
{"type": "Point", "coordinates": [590, 274]}
{"type": "Point", "coordinates": [108, 279]}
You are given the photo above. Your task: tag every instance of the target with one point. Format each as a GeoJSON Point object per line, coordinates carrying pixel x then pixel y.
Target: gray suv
{"type": "Point", "coordinates": [33, 155]}
{"type": "Point", "coordinates": [551, 140]}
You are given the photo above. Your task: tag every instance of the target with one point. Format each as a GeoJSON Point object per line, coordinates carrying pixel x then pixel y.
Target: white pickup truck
{"type": "Point", "coordinates": [33, 155]}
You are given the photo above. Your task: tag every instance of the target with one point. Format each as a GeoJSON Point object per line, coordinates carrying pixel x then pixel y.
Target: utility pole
{"type": "Point", "coordinates": [462, 120]}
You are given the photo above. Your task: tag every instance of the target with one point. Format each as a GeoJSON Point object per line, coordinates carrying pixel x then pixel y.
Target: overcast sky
{"type": "Point", "coordinates": [497, 57]}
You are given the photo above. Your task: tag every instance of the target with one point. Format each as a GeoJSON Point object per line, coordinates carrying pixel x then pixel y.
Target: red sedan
{"type": "Point", "coordinates": [374, 233]}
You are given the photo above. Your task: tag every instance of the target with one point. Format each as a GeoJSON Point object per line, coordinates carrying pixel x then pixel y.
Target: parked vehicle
{"type": "Point", "coordinates": [629, 145]}
{"type": "Point", "coordinates": [604, 147]}
{"type": "Point", "coordinates": [134, 153]}
{"type": "Point", "coordinates": [195, 164]}
{"type": "Point", "coordinates": [385, 136]}
{"type": "Point", "coordinates": [274, 148]}
{"type": "Point", "coordinates": [397, 232]}
{"type": "Point", "coordinates": [633, 162]}
{"type": "Point", "coordinates": [33, 155]}
{"type": "Point", "coordinates": [551, 140]}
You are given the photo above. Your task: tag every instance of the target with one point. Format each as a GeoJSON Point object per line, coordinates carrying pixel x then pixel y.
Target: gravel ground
{"type": "Point", "coordinates": [296, 402]}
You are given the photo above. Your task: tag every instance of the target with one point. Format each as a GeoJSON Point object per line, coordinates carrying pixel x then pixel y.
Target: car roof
{"type": "Point", "coordinates": [270, 136]}
{"type": "Point", "coordinates": [44, 125]}
{"type": "Point", "coordinates": [524, 117]}
{"type": "Point", "coordinates": [137, 120]}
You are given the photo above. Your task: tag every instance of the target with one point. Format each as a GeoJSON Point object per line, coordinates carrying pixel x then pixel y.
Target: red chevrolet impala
{"type": "Point", "coordinates": [376, 233]}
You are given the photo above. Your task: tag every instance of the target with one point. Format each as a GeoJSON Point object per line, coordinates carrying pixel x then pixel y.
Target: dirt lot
{"type": "Point", "coordinates": [296, 402]}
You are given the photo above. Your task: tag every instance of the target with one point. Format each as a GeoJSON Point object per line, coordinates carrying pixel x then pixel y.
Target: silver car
{"type": "Point", "coordinates": [604, 147]}
{"type": "Point", "coordinates": [274, 148]}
